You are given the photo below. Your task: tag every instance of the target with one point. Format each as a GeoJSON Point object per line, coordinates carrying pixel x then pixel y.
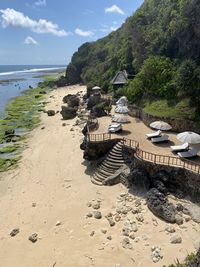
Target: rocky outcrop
{"type": "Point", "coordinates": [159, 205]}
{"type": "Point", "coordinates": [62, 81]}
{"type": "Point", "coordinates": [71, 100]}
{"type": "Point", "coordinates": [68, 112]}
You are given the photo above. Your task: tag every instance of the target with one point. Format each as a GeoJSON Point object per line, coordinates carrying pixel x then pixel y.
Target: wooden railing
{"type": "Point", "coordinates": [148, 156]}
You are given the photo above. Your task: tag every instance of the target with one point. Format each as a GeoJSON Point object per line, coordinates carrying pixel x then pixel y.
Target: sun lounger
{"type": "Point", "coordinates": [188, 154]}
{"type": "Point", "coordinates": [155, 134]}
{"type": "Point", "coordinates": [114, 128]}
{"type": "Point", "coordinates": [160, 139]}
{"type": "Point", "coordinates": [183, 147]}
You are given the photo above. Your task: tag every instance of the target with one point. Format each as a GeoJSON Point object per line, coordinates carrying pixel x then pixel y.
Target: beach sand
{"type": "Point", "coordinates": [48, 194]}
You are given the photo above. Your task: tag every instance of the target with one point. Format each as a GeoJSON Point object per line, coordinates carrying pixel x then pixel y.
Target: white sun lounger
{"type": "Point", "coordinates": [160, 139]}
{"type": "Point", "coordinates": [180, 148]}
{"type": "Point", "coordinates": [155, 134]}
{"type": "Point", "coordinates": [188, 154]}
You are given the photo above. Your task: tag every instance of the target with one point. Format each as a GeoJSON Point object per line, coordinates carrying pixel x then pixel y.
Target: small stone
{"type": "Point", "coordinates": [187, 218]}
{"type": "Point", "coordinates": [126, 243]}
{"type": "Point", "coordinates": [137, 203]}
{"type": "Point", "coordinates": [134, 227]}
{"type": "Point", "coordinates": [58, 223]}
{"type": "Point", "coordinates": [64, 124]}
{"type": "Point", "coordinates": [51, 112]}
{"type": "Point", "coordinates": [123, 194]}
{"type": "Point", "coordinates": [92, 233]}
{"type": "Point", "coordinates": [33, 238]}
{"type": "Point", "coordinates": [140, 218]}
{"type": "Point", "coordinates": [131, 235]}
{"type": "Point", "coordinates": [170, 229]}
{"type": "Point", "coordinates": [125, 231]}
{"type": "Point", "coordinates": [89, 214]}
{"type": "Point", "coordinates": [117, 218]}
{"type": "Point", "coordinates": [72, 130]}
{"type": "Point", "coordinates": [14, 232]}
{"type": "Point", "coordinates": [34, 205]}
{"type": "Point", "coordinates": [104, 231]}
{"type": "Point", "coordinates": [175, 239]}
{"type": "Point", "coordinates": [43, 127]}
{"type": "Point", "coordinates": [97, 215]}
{"type": "Point", "coordinates": [96, 206]}
{"type": "Point", "coordinates": [89, 204]}
{"type": "Point", "coordinates": [179, 219]}
{"type": "Point", "coordinates": [109, 237]}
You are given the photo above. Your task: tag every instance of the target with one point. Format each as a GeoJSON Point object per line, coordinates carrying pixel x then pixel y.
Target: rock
{"type": "Point", "coordinates": [68, 112]}
{"type": "Point", "coordinates": [179, 207]}
{"type": "Point", "coordinates": [89, 214]}
{"type": "Point", "coordinates": [111, 221]}
{"type": "Point", "coordinates": [89, 204]}
{"type": "Point", "coordinates": [179, 219]}
{"type": "Point", "coordinates": [51, 112]}
{"type": "Point", "coordinates": [43, 127]}
{"type": "Point", "coordinates": [134, 227]}
{"type": "Point", "coordinates": [34, 204]}
{"type": "Point", "coordinates": [126, 243]}
{"type": "Point", "coordinates": [58, 223]}
{"type": "Point", "coordinates": [140, 179]}
{"type": "Point", "coordinates": [14, 232]}
{"type": "Point", "coordinates": [92, 233]}
{"type": "Point", "coordinates": [132, 235]}
{"type": "Point", "coordinates": [125, 231]}
{"type": "Point", "coordinates": [104, 231]}
{"type": "Point", "coordinates": [9, 132]}
{"type": "Point", "coordinates": [175, 239]}
{"type": "Point", "coordinates": [187, 218]}
{"type": "Point", "coordinates": [140, 218]}
{"type": "Point", "coordinates": [138, 203]}
{"type": "Point", "coordinates": [109, 237]}
{"type": "Point", "coordinates": [97, 215]}
{"type": "Point", "coordinates": [64, 124]}
{"type": "Point", "coordinates": [170, 228]}
{"type": "Point", "coordinates": [71, 100]}
{"type": "Point", "coordinates": [96, 206]}
{"type": "Point", "coordinates": [159, 205]}
{"type": "Point", "coordinates": [156, 254]}
{"type": "Point", "coordinates": [33, 238]}
{"type": "Point", "coordinates": [117, 218]}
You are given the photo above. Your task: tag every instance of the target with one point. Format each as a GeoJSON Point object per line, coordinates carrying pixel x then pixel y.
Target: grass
{"type": "Point", "coordinates": [191, 260]}
{"type": "Point", "coordinates": [162, 108]}
{"type": "Point", "coordinates": [22, 112]}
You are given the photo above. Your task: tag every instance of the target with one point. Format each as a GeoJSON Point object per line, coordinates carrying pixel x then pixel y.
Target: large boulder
{"type": "Point", "coordinates": [159, 205]}
{"type": "Point", "coordinates": [62, 81]}
{"type": "Point", "coordinates": [140, 179]}
{"type": "Point", "coordinates": [93, 101]}
{"type": "Point", "coordinates": [68, 112]}
{"type": "Point", "coordinates": [99, 110]}
{"type": "Point", "coordinates": [71, 100]}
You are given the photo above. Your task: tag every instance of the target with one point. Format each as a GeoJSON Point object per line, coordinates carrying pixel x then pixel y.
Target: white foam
{"type": "Point", "coordinates": [30, 71]}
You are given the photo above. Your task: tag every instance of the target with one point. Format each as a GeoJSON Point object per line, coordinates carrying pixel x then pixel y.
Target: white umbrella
{"type": "Point", "coordinates": [189, 137]}
{"type": "Point", "coordinates": [121, 109]}
{"type": "Point", "coordinates": [96, 88]}
{"type": "Point", "coordinates": [160, 125]}
{"type": "Point", "coordinates": [121, 118]}
{"type": "Point", "coordinates": [122, 101]}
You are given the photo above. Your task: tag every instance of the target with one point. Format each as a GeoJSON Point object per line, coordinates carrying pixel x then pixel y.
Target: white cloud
{"type": "Point", "coordinates": [13, 18]}
{"type": "Point", "coordinates": [40, 3]}
{"type": "Point", "coordinates": [84, 33]}
{"type": "Point", "coordinates": [114, 9]}
{"type": "Point", "coordinates": [30, 41]}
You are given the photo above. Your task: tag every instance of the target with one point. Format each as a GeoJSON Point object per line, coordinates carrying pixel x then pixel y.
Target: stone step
{"type": "Point", "coordinates": [110, 170]}
{"type": "Point", "coordinates": [114, 153]}
{"type": "Point", "coordinates": [98, 178]}
{"type": "Point", "coordinates": [118, 161]}
{"type": "Point", "coordinates": [94, 181]}
{"type": "Point", "coordinates": [101, 174]}
{"type": "Point", "coordinates": [111, 165]}
{"type": "Point", "coordinates": [117, 157]}
{"type": "Point", "coordinates": [101, 171]}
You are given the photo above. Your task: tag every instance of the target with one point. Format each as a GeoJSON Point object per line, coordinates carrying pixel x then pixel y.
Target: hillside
{"type": "Point", "coordinates": [160, 44]}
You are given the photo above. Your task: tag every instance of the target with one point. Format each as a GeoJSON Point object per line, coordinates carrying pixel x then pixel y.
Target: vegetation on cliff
{"type": "Point", "coordinates": [160, 45]}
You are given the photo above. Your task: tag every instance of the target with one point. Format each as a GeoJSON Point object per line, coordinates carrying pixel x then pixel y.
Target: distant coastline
{"type": "Point", "coordinates": [14, 79]}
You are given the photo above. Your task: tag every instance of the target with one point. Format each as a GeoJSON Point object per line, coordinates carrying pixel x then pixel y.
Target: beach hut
{"type": "Point", "coordinates": [119, 80]}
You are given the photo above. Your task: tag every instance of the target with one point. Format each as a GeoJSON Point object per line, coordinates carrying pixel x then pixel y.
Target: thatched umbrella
{"type": "Point", "coordinates": [160, 125]}
{"type": "Point", "coordinates": [96, 88]}
{"type": "Point", "coordinates": [121, 118]}
{"type": "Point", "coordinates": [189, 137]}
{"type": "Point", "coordinates": [121, 109]}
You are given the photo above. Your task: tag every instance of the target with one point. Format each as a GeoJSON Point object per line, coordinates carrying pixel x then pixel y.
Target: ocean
{"type": "Point", "coordinates": [14, 79]}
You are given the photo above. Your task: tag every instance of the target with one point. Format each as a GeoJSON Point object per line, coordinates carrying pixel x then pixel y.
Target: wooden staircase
{"type": "Point", "coordinates": [110, 165]}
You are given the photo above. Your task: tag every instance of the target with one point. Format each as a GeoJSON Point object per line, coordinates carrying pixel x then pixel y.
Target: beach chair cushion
{"type": "Point", "coordinates": [188, 154]}
{"type": "Point", "coordinates": [155, 134]}
{"type": "Point", "coordinates": [162, 138]}
{"type": "Point", "coordinates": [180, 148]}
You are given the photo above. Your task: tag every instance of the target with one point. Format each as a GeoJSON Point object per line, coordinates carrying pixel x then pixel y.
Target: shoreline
{"type": "Point", "coordinates": [50, 193]}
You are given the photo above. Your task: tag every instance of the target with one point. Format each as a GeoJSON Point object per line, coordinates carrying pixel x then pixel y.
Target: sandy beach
{"type": "Point", "coordinates": [50, 193]}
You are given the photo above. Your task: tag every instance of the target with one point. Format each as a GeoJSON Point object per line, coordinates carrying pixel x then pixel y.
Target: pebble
{"type": "Point", "coordinates": [131, 235]}
{"type": "Point", "coordinates": [96, 206]}
{"type": "Point", "coordinates": [14, 232]}
{"type": "Point", "coordinates": [156, 254]}
{"type": "Point", "coordinates": [104, 231]}
{"type": "Point", "coordinates": [89, 214]}
{"type": "Point", "coordinates": [33, 238]}
{"type": "Point", "coordinates": [34, 205]}
{"type": "Point", "coordinates": [58, 223]}
{"type": "Point", "coordinates": [92, 233]}
{"type": "Point", "coordinates": [170, 228]}
{"type": "Point", "coordinates": [140, 218]}
{"type": "Point", "coordinates": [97, 215]}
{"type": "Point", "coordinates": [109, 237]}
{"type": "Point", "coordinates": [126, 243]}
{"type": "Point", "coordinates": [175, 239]}
{"type": "Point", "coordinates": [89, 204]}
{"type": "Point", "coordinates": [179, 219]}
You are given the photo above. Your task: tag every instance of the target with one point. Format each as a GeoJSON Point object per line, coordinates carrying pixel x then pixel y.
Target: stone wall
{"type": "Point", "coordinates": [178, 125]}
{"type": "Point", "coordinates": [178, 181]}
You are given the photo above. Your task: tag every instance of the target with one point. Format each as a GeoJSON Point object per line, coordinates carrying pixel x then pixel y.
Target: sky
{"type": "Point", "coordinates": [50, 31]}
